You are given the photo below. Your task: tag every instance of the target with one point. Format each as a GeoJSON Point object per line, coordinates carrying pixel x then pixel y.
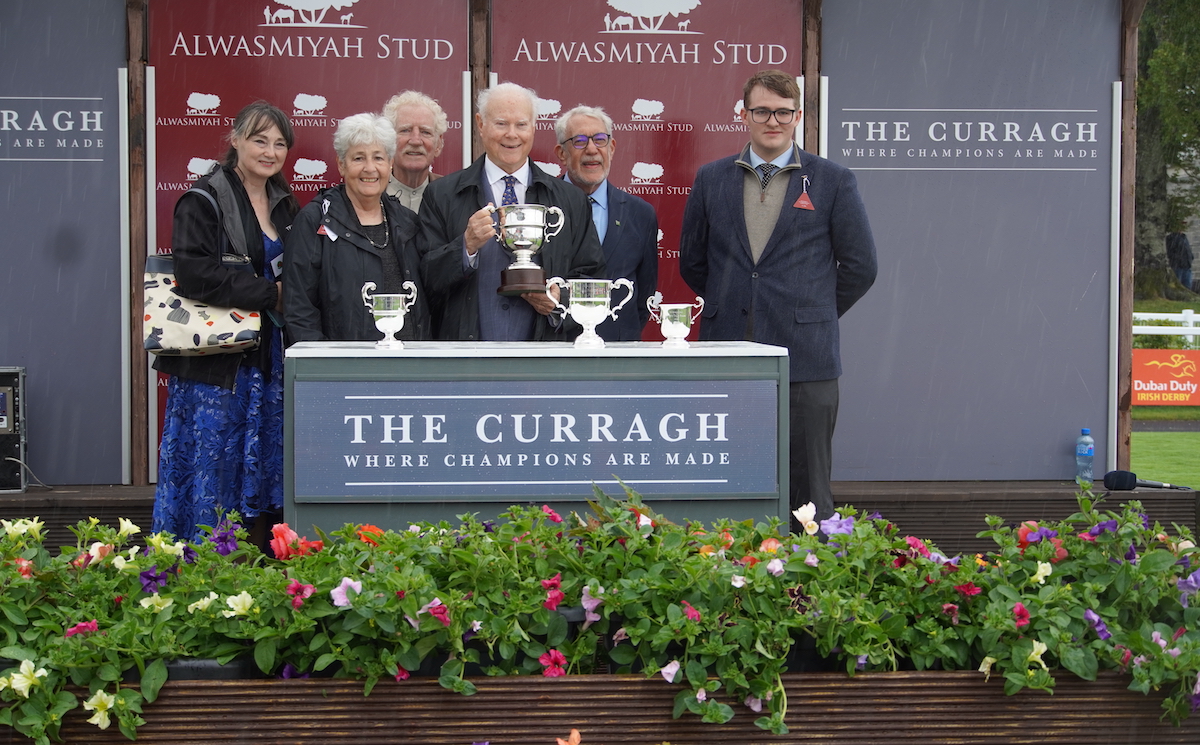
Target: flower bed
{"type": "Point", "coordinates": [714, 609]}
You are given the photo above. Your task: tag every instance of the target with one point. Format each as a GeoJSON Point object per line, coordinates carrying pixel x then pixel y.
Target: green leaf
{"type": "Point", "coordinates": [14, 614]}
{"type": "Point", "coordinates": [681, 703]}
{"type": "Point", "coordinates": [20, 654]}
{"type": "Point", "coordinates": [108, 673]}
{"type": "Point", "coordinates": [324, 661]}
{"type": "Point", "coordinates": [1079, 660]}
{"type": "Point", "coordinates": [153, 679]}
{"type": "Point", "coordinates": [1156, 562]}
{"type": "Point", "coordinates": [623, 654]}
{"type": "Point", "coordinates": [696, 673]}
{"type": "Point", "coordinates": [264, 654]}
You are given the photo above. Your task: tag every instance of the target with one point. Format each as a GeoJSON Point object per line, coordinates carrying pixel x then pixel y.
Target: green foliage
{"type": "Point", "coordinates": [1168, 84]}
{"type": "Point", "coordinates": [1167, 456]}
{"type": "Point", "coordinates": [716, 609]}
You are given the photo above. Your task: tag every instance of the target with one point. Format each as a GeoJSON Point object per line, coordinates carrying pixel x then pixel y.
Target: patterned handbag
{"type": "Point", "coordinates": [177, 326]}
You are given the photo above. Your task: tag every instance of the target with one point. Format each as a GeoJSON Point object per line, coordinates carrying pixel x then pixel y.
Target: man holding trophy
{"type": "Point", "coordinates": [502, 207]}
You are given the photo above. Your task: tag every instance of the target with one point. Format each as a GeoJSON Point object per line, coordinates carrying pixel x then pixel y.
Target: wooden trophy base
{"type": "Point", "coordinates": [520, 281]}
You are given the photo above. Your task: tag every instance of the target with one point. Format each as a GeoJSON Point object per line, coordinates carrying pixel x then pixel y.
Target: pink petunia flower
{"type": "Point", "coordinates": [670, 670]}
{"type": "Point", "coordinates": [620, 636]}
{"type": "Point", "coordinates": [553, 598]}
{"type": "Point", "coordinates": [299, 592]}
{"type": "Point", "coordinates": [87, 627]}
{"type": "Point", "coordinates": [968, 590]}
{"type": "Point", "coordinates": [340, 594]}
{"type": "Point", "coordinates": [1020, 615]}
{"type": "Point", "coordinates": [554, 583]}
{"type": "Point", "coordinates": [753, 704]}
{"type": "Point", "coordinates": [554, 518]}
{"type": "Point", "coordinates": [401, 674]}
{"type": "Point", "coordinates": [554, 662]}
{"type": "Point", "coordinates": [775, 567]}
{"type": "Point", "coordinates": [689, 611]}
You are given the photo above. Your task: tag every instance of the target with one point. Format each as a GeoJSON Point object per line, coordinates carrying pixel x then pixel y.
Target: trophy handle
{"type": "Point", "coordinates": [366, 293]}
{"type": "Point", "coordinates": [622, 282]}
{"type": "Point", "coordinates": [557, 226]}
{"type": "Point", "coordinates": [652, 304]}
{"type": "Point", "coordinates": [699, 306]}
{"type": "Point", "coordinates": [412, 294]}
{"type": "Point", "coordinates": [562, 283]}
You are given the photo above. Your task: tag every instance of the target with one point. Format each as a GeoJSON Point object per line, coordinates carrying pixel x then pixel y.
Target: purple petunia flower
{"type": "Point", "coordinates": [1145, 520]}
{"type": "Point", "coordinates": [1131, 555]}
{"type": "Point", "coordinates": [489, 526]}
{"type": "Point", "coordinates": [837, 524]}
{"type": "Point", "coordinates": [875, 516]}
{"type": "Point", "coordinates": [224, 537]}
{"type": "Point", "coordinates": [153, 580]}
{"type": "Point", "coordinates": [290, 671]}
{"type": "Point", "coordinates": [189, 555]}
{"type": "Point", "coordinates": [1108, 526]}
{"type": "Point", "coordinates": [861, 663]}
{"type": "Point", "coordinates": [1040, 534]}
{"type": "Point", "coordinates": [1189, 585]}
{"type": "Point", "coordinates": [1098, 625]}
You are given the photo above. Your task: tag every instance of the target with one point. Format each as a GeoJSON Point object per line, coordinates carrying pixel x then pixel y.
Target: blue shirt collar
{"type": "Point", "coordinates": [781, 161]}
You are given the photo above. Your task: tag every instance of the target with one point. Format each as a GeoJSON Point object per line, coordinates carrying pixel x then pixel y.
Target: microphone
{"type": "Point", "coordinates": [1127, 481]}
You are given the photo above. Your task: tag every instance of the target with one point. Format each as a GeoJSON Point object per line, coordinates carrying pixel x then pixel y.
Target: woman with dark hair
{"type": "Point", "coordinates": [222, 439]}
{"type": "Point", "coordinates": [349, 235]}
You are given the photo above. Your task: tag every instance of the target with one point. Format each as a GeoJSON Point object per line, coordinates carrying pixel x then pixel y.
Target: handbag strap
{"type": "Point", "coordinates": [225, 246]}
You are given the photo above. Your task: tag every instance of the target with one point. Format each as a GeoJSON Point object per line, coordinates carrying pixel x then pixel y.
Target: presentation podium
{"type": "Point", "coordinates": [440, 429]}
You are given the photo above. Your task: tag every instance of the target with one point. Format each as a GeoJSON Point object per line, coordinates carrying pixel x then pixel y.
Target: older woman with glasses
{"type": "Point", "coordinates": [349, 235]}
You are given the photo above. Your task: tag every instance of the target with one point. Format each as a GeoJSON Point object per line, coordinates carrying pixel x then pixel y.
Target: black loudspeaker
{"type": "Point", "coordinates": [12, 429]}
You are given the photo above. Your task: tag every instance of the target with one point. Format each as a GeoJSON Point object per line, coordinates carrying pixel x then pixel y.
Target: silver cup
{"type": "Point", "coordinates": [388, 310]}
{"type": "Point", "coordinates": [524, 229]}
{"type": "Point", "coordinates": [589, 305]}
{"type": "Point", "coordinates": [674, 319]}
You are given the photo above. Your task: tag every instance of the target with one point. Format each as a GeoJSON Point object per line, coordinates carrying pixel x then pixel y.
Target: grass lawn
{"type": "Point", "coordinates": [1165, 413]}
{"type": "Point", "coordinates": [1173, 457]}
{"type": "Point", "coordinates": [1159, 305]}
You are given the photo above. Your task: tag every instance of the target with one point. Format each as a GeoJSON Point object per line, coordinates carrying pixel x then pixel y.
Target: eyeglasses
{"type": "Point", "coordinates": [581, 141]}
{"type": "Point", "coordinates": [762, 116]}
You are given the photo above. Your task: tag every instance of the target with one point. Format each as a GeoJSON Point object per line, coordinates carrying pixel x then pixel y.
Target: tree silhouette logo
{"type": "Point", "coordinates": [649, 17]}
{"type": "Point", "coordinates": [310, 14]}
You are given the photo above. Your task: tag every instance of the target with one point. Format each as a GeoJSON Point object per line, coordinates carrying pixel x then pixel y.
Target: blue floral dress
{"type": "Point", "coordinates": [220, 447]}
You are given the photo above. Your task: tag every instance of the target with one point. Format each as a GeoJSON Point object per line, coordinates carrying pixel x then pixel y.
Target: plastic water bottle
{"type": "Point", "coordinates": [1085, 448]}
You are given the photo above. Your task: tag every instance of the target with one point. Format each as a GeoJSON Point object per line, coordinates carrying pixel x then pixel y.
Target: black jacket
{"type": "Point", "coordinates": [323, 274]}
{"type": "Point", "coordinates": [196, 244]}
{"type": "Point", "coordinates": [445, 209]}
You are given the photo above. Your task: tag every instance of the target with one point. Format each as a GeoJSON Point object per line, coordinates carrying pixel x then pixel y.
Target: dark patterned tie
{"type": "Point", "coordinates": [510, 191]}
{"type": "Point", "coordinates": [767, 170]}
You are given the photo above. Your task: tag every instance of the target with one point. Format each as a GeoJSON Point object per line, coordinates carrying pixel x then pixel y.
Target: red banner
{"type": "Point", "coordinates": [318, 60]}
{"type": "Point", "coordinates": [668, 72]}
{"type": "Point", "coordinates": [1166, 377]}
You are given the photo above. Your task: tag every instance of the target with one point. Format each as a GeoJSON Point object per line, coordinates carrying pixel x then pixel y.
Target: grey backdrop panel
{"type": "Point", "coordinates": [983, 347]}
{"type": "Point", "coordinates": [60, 257]}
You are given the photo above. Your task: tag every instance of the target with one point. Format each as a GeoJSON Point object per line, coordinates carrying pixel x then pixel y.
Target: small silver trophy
{"type": "Point", "coordinates": [589, 305]}
{"type": "Point", "coordinates": [524, 229]}
{"type": "Point", "coordinates": [388, 310]}
{"type": "Point", "coordinates": [674, 319]}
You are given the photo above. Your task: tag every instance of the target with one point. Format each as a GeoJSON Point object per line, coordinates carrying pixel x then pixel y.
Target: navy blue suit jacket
{"type": "Point", "coordinates": [630, 251]}
{"type": "Point", "coordinates": [816, 264]}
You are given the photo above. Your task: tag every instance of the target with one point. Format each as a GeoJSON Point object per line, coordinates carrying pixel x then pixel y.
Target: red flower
{"type": "Point", "coordinates": [1023, 534]}
{"type": "Point", "coordinates": [24, 567]}
{"type": "Point", "coordinates": [87, 627]}
{"type": "Point", "coordinates": [401, 674]}
{"type": "Point", "coordinates": [553, 661]}
{"type": "Point", "coordinates": [400, 594]}
{"type": "Point", "coordinates": [441, 613]}
{"type": "Point", "coordinates": [1020, 615]}
{"type": "Point", "coordinates": [952, 610]}
{"type": "Point", "coordinates": [1087, 536]}
{"type": "Point", "coordinates": [968, 590]}
{"type": "Point", "coordinates": [554, 518]}
{"type": "Point", "coordinates": [368, 533]}
{"type": "Point", "coordinates": [692, 613]}
{"type": "Point", "coordinates": [553, 598]}
{"type": "Point", "coordinates": [916, 545]}
{"type": "Point", "coordinates": [554, 583]}
{"type": "Point", "coordinates": [287, 543]}
{"type": "Point", "coordinates": [118, 599]}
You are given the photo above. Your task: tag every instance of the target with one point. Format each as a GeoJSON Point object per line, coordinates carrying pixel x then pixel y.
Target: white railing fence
{"type": "Point", "coordinates": [1190, 325]}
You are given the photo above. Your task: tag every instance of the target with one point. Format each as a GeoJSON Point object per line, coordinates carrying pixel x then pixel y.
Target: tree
{"type": "Point", "coordinates": [1168, 149]}
{"type": "Point", "coordinates": [313, 11]}
{"type": "Point", "coordinates": [652, 13]}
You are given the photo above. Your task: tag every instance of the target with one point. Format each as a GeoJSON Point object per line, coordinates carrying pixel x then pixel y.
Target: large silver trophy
{"type": "Point", "coordinates": [674, 319]}
{"type": "Point", "coordinates": [388, 310]}
{"type": "Point", "coordinates": [589, 305]}
{"type": "Point", "coordinates": [524, 229]}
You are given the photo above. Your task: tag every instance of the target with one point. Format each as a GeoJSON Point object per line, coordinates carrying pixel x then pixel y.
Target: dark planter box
{"type": "Point", "coordinates": [928, 708]}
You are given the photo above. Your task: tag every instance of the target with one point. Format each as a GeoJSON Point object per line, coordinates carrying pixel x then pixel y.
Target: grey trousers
{"type": "Point", "coordinates": [814, 408]}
